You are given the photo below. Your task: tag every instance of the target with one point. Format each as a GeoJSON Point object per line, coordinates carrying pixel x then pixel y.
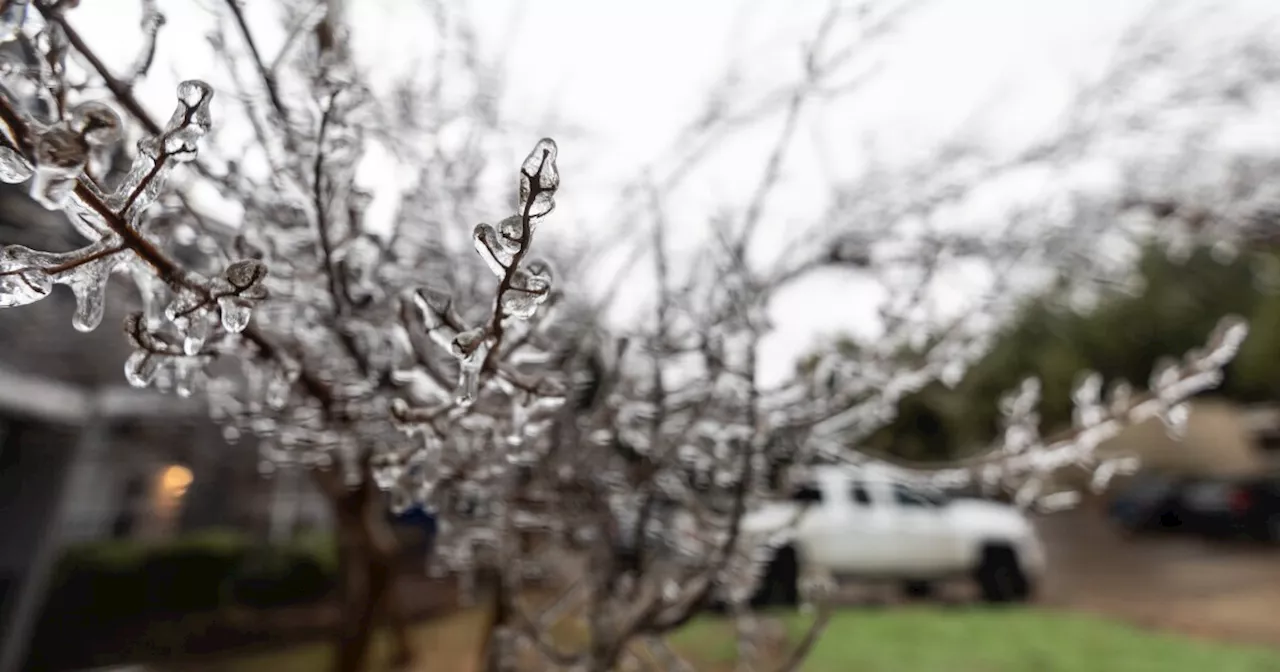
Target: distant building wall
{"type": "Point", "coordinates": [1222, 439]}
{"type": "Point", "coordinates": [33, 459]}
{"type": "Point", "coordinates": [1218, 441]}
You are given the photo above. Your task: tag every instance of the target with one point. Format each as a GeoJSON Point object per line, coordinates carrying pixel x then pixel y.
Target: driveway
{"type": "Point", "coordinates": [1221, 590]}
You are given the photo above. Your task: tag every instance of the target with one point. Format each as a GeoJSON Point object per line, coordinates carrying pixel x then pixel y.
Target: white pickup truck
{"type": "Point", "coordinates": [860, 523]}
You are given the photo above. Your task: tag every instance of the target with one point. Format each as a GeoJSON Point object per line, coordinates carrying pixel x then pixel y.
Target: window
{"type": "Point", "coordinates": [905, 496]}
{"type": "Point", "coordinates": [858, 493]}
{"type": "Point", "coordinates": [807, 493]}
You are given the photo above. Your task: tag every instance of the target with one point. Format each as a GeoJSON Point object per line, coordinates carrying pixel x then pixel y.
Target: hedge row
{"type": "Point", "coordinates": [126, 580]}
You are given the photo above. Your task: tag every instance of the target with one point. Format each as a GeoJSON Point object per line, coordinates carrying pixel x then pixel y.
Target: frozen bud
{"type": "Point", "coordinates": [62, 148]}
{"type": "Point", "coordinates": [1121, 397]}
{"type": "Point", "coordinates": [519, 303]}
{"type": "Point", "coordinates": [97, 123]}
{"type": "Point", "coordinates": [496, 255]}
{"type": "Point", "coordinates": [1228, 335]}
{"type": "Point", "coordinates": [246, 274]}
{"type": "Point", "coordinates": [1088, 389]}
{"type": "Point", "coordinates": [530, 287]}
{"type": "Point", "coordinates": [1175, 420]}
{"type": "Point", "coordinates": [1164, 375]}
{"type": "Point", "coordinates": [1102, 476]}
{"type": "Point", "coordinates": [60, 153]}
{"type": "Point", "coordinates": [433, 304]}
{"type": "Point", "coordinates": [539, 179]}
{"type": "Point", "coordinates": [14, 167]}
{"type": "Point", "coordinates": [190, 121]}
{"type": "Point", "coordinates": [185, 304]}
{"type": "Point", "coordinates": [465, 343]}
{"type": "Point", "coordinates": [511, 233]}
{"type": "Point", "coordinates": [194, 96]}
{"type": "Point", "coordinates": [136, 329]}
{"type": "Point", "coordinates": [539, 275]}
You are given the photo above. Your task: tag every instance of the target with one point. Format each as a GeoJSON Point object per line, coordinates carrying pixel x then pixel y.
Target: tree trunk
{"type": "Point", "coordinates": [368, 559]}
{"type": "Point", "coordinates": [492, 646]}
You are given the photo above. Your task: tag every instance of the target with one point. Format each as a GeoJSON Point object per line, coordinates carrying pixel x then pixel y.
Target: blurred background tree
{"type": "Point", "coordinates": [1120, 332]}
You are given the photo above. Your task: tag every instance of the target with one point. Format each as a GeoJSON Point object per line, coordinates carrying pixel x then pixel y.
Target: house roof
{"type": "Point", "coordinates": [57, 401]}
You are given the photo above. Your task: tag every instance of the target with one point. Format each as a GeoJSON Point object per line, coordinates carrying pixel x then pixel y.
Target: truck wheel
{"type": "Point", "coordinates": [780, 585]}
{"type": "Point", "coordinates": [918, 590]}
{"type": "Point", "coordinates": [1000, 576]}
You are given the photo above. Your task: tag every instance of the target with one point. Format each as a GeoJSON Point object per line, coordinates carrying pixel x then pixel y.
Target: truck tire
{"type": "Point", "coordinates": [780, 585]}
{"type": "Point", "coordinates": [1000, 577]}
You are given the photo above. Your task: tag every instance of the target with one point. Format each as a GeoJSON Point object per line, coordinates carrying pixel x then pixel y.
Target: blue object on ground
{"type": "Point", "coordinates": [417, 516]}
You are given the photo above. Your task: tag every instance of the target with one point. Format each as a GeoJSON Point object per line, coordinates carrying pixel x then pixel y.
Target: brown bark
{"type": "Point", "coordinates": [490, 648]}
{"type": "Point", "coordinates": [368, 560]}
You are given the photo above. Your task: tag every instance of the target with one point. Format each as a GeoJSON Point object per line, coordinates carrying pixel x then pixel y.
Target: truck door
{"type": "Point", "coordinates": [834, 528]}
{"type": "Point", "coordinates": [814, 527]}
{"type": "Point", "coordinates": [863, 533]}
{"type": "Point", "coordinates": [850, 535]}
{"type": "Point", "coordinates": [921, 534]}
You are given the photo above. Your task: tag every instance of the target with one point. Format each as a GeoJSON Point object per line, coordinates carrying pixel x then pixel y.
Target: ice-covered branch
{"type": "Point", "coordinates": [1022, 461]}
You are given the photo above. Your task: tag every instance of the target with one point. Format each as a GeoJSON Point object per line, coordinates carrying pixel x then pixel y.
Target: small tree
{"type": "Point", "coordinates": [322, 371]}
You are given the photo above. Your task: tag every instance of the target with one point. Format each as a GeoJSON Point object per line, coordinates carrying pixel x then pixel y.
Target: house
{"type": "Point", "coordinates": [1221, 439]}
{"type": "Point", "coordinates": [83, 456]}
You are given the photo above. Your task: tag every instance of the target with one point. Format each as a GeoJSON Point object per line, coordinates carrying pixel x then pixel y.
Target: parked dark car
{"type": "Point", "coordinates": [1231, 507]}
{"type": "Point", "coordinates": [1150, 502]}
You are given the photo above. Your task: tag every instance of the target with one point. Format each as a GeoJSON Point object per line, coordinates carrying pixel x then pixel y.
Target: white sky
{"type": "Point", "coordinates": [632, 74]}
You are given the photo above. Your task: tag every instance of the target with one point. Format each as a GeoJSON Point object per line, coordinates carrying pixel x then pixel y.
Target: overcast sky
{"type": "Point", "coordinates": [632, 74]}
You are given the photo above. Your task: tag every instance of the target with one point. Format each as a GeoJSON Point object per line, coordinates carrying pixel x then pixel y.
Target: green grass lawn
{"type": "Point", "coordinates": [985, 640]}
{"type": "Point", "coordinates": [881, 640]}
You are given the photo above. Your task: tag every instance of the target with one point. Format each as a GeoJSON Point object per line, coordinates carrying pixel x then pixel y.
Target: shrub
{"type": "Point", "coordinates": [281, 576]}
{"type": "Point", "coordinates": [117, 580]}
{"type": "Point", "coordinates": [99, 581]}
{"type": "Point", "coordinates": [191, 573]}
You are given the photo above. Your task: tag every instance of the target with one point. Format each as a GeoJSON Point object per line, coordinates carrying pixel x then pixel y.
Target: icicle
{"type": "Point", "coordinates": [28, 275]}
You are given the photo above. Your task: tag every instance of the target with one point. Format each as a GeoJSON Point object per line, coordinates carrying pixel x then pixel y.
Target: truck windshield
{"type": "Point", "coordinates": [905, 495]}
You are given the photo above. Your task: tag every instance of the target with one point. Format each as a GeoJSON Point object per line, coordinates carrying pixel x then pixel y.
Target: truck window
{"type": "Point", "coordinates": [905, 496]}
{"type": "Point", "coordinates": [858, 493]}
{"type": "Point", "coordinates": [807, 493]}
